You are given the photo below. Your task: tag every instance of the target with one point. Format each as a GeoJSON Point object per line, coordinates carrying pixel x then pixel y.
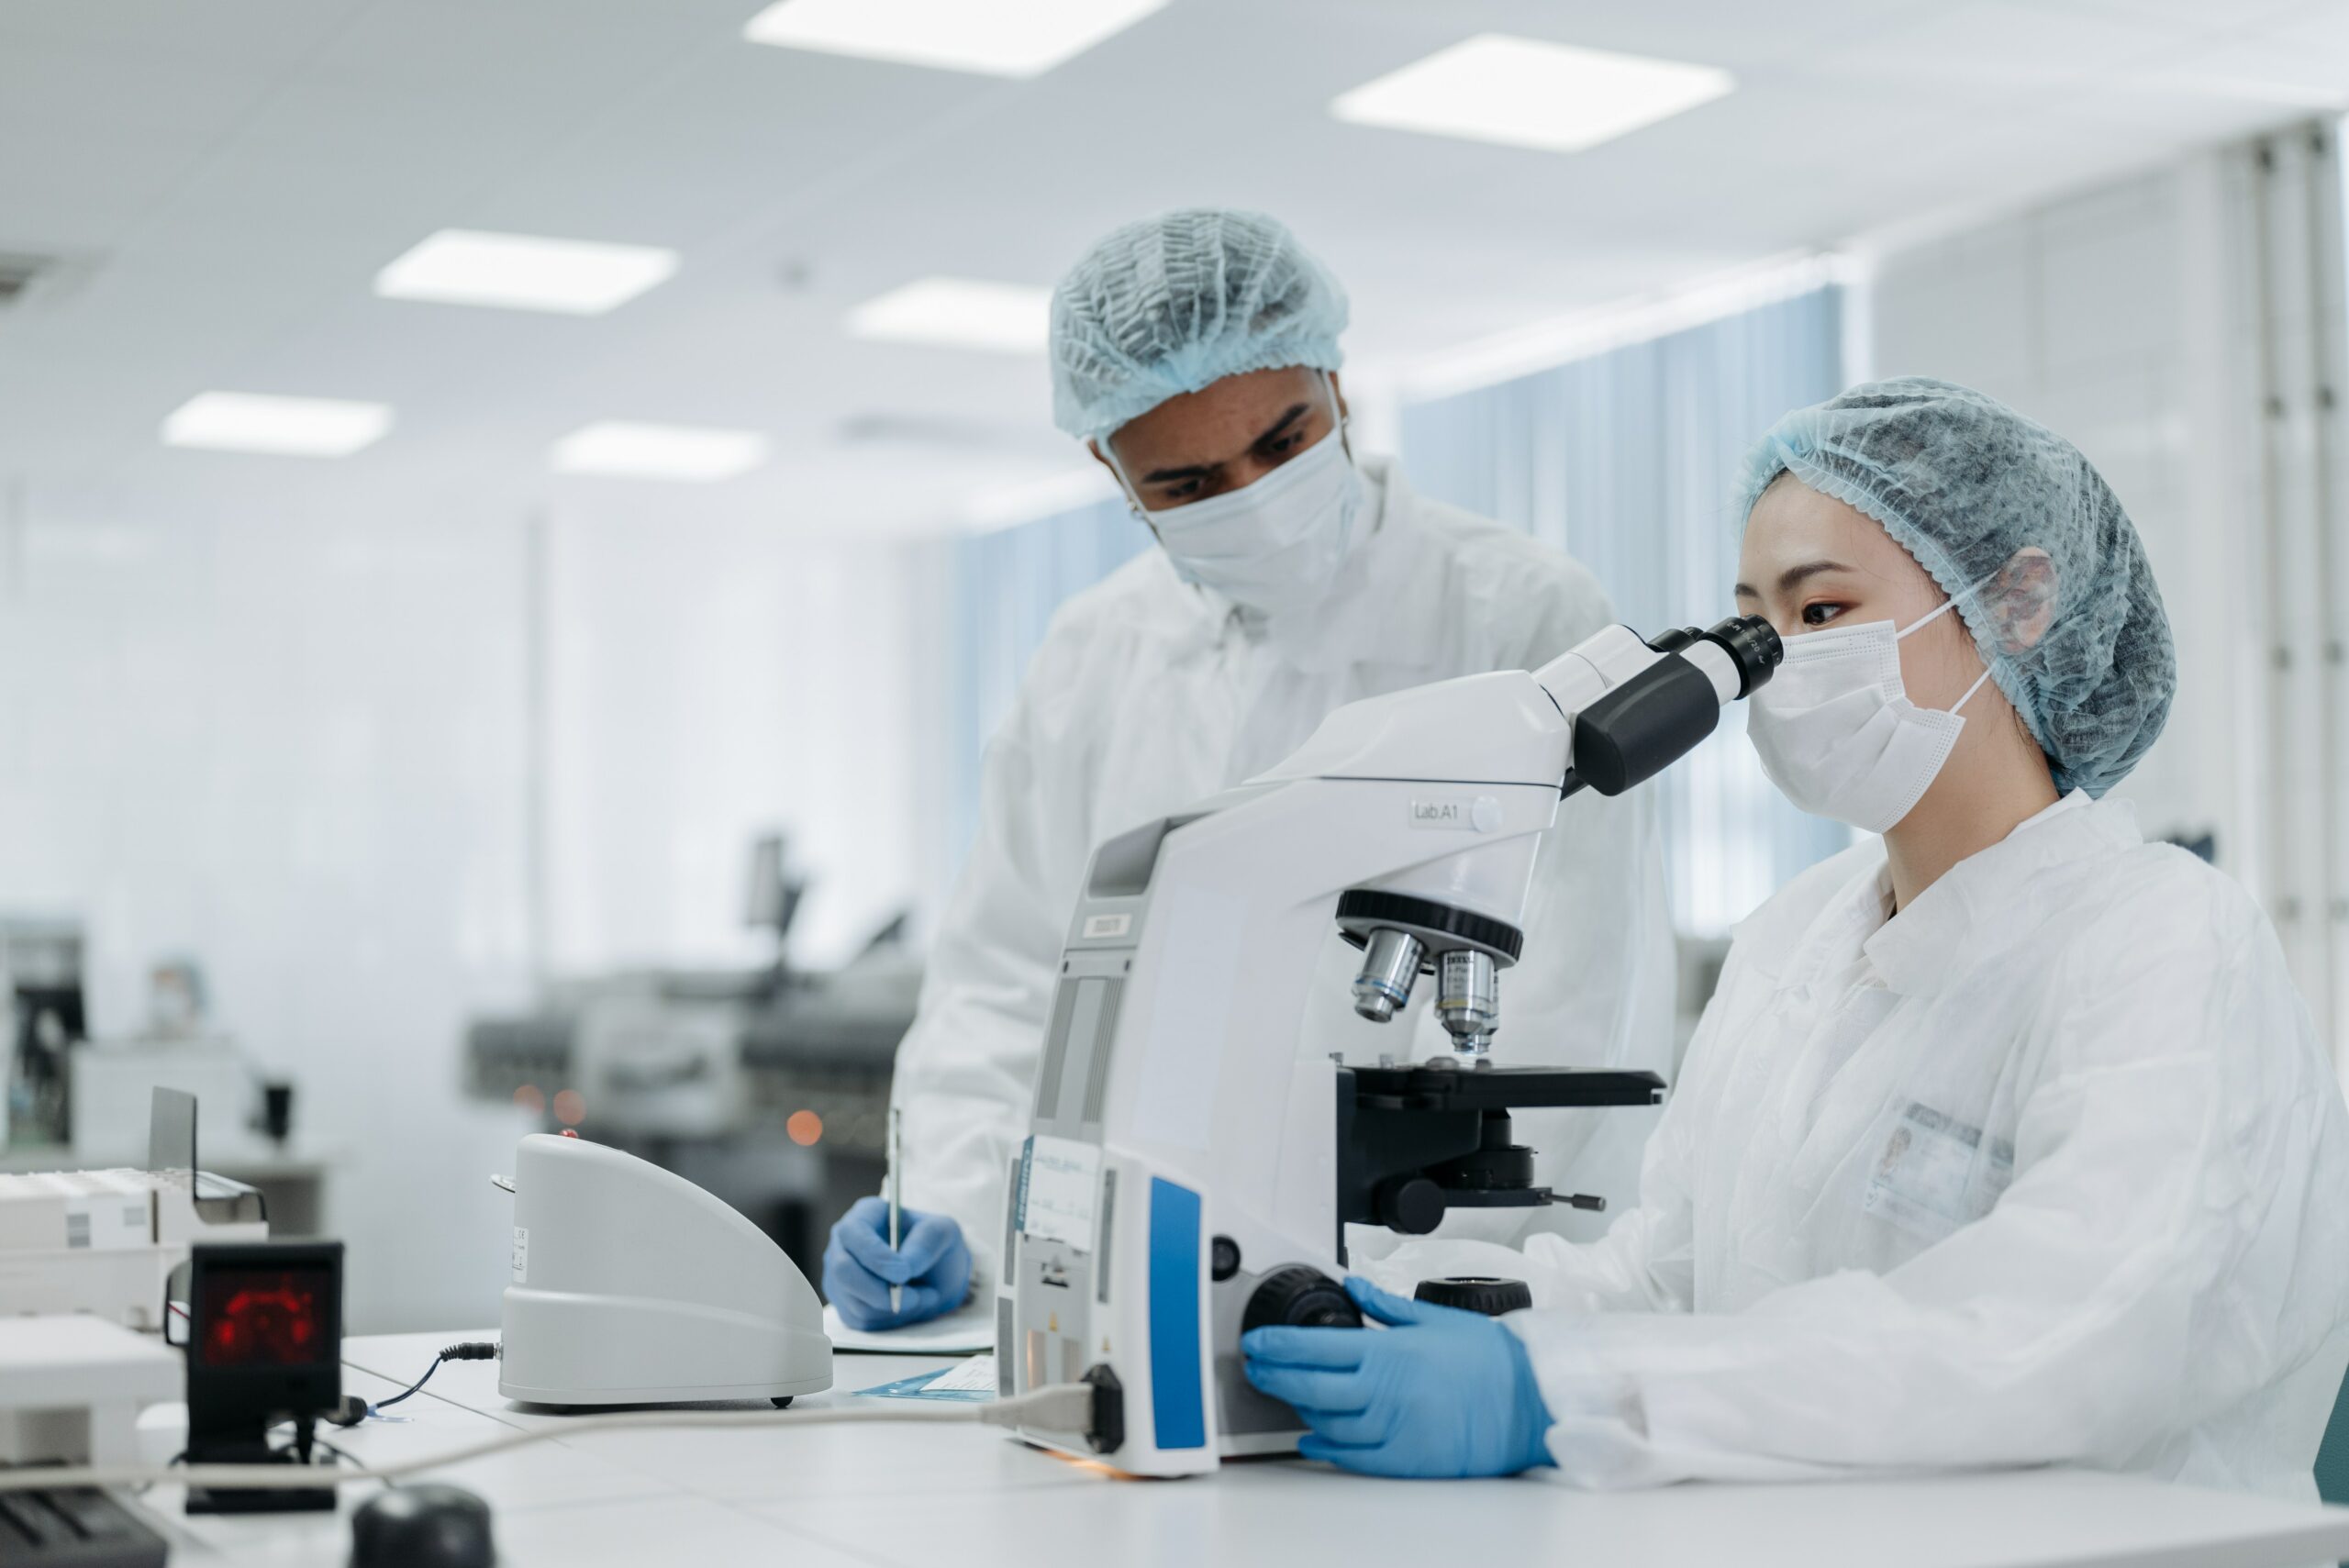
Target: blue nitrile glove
{"type": "Point", "coordinates": [932, 1262]}
{"type": "Point", "coordinates": [1438, 1392]}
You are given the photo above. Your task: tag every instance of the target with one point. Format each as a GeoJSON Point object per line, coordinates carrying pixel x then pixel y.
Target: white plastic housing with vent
{"type": "Point", "coordinates": [631, 1286]}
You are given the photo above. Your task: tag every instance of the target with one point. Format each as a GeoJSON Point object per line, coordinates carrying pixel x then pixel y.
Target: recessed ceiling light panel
{"type": "Point", "coordinates": [1531, 93]}
{"type": "Point", "coordinates": [957, 313]}
{"type": "Point", "coordinates": [1026, 39]}
{"type": "Point", "coordinates": [693, 453]}
{"type": "Point", "coordinates": [285, 426]}
{"type": "Point", "coordinates": [522, 272]}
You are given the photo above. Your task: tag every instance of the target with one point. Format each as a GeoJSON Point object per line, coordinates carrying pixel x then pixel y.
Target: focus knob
{"type": "Point", "coordinates": [1473, 1294]}
{"type": "Point", "coordinates": [1413, 1205]}
{"type": "Point", "coordinates": [1299, 1296]}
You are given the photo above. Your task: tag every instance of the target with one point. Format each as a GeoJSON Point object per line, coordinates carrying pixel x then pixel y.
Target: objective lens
{"type": "Point", "coordinates": [1468, 999]}
{"type": "Point", "coordinates": [1390, 963]}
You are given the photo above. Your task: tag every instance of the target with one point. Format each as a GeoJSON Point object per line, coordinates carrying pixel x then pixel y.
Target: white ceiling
{"type": "Point", "coordinates": [232, 175]}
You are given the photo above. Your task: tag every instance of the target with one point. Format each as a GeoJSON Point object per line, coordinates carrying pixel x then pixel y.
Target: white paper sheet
{"type": "Point", "coordinates": [960, 1333]}
{"type": "Point", "coordinates": [965, 1382]}
{"type": "Point", "coordinates": [1064, 1181]}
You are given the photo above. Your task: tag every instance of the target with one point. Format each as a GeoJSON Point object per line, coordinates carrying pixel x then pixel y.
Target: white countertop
{"type": "Point", "coordinates": [922, 1495]}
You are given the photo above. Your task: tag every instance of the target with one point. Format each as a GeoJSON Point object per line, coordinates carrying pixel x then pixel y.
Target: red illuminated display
{"type": "Point", "coordinates": [262, 1317]}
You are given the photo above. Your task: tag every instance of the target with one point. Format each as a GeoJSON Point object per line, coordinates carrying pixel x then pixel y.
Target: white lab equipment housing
{"type": "Point", "coordinates": [1186, 1162]}
{"type": "Point", "coordinates": [633, 1286]}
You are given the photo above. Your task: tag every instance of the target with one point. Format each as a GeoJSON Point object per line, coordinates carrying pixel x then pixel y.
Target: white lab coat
{"type": "Point", "coordinates": [1147, 696]}
{"type": "Point", "coordinates": [2049, 1167]}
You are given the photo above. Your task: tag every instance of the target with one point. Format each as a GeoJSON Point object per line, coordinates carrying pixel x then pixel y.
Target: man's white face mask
{"type": "Point", "coordinates": [1274, 546]}
{"type": "Point", "coordinates": [1837, 732]}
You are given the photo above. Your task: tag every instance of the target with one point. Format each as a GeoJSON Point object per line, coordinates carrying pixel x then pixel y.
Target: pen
{"type": "Point", "coordinates": [897, 1182]}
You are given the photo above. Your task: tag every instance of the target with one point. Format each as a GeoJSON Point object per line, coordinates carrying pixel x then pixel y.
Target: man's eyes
{"type": "Point", "coordinates": [1271, 450]}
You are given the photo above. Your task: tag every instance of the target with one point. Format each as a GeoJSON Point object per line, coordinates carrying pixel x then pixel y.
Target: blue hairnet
{"type": "Point", "coordinates": [1166, 306]}
{"type": "Point", "coordinates": [1963, 482]}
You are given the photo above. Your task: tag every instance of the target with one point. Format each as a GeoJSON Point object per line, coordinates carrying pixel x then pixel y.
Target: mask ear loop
{"type": "Point", "coordinates": [1920, 625]}
{"type": "Point", "coordinates": [1126, 486]}
{"type": "Point", "coordinates": [1972, 689]}
{"type": "Point", "coordinates": [1947, 605]}
{"type": "Point", "coordinates": [1338, 414]}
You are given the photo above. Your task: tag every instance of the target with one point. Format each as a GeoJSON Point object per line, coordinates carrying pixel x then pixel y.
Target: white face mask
{"type": "Point", "coordinates": [1837, 732]}
{"type": "Point", "coordinates": [1275, 545]}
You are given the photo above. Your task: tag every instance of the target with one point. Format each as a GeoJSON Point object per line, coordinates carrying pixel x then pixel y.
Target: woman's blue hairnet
{"type": "Point", "coordinates": [1166, 306]}
{"type": "Point", "coordinates": [1966, 485]}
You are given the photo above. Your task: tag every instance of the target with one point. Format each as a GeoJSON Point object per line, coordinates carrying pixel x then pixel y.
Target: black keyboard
{"type": "Point", "coordinates": [75, 1527]}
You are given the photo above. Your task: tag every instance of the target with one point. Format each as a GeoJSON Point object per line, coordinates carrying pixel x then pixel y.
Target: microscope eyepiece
{"type": "Point", "coordinates": [1754, 646]}
{"type": "Point", "coordinates": [1657, 714]}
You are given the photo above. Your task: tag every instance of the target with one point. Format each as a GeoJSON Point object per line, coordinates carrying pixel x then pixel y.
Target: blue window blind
{"type": "Point", "coordinates": [1003, 588]}
{"type": "Point", "coordinates": [1627, 460]}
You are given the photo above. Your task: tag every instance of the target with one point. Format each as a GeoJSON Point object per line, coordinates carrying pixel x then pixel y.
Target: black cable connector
{"type": "Point", "coordinates": [465, 1350]}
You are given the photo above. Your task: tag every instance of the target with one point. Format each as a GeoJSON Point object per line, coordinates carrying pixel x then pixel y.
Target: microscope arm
{"type": "Point", "coordinates": [1196, 1152]}
{"type": "Point", "coordinates": [1413, 1141]}
{"type": "Point", "coordinates": [1631, 709]}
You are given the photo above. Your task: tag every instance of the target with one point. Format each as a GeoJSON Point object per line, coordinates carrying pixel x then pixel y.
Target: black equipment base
{"type": "Point", "coordinates": [1415, 1141]}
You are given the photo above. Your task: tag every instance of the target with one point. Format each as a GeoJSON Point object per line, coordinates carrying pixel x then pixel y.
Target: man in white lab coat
{"type": "Point", "coordinates": [1196, 354]}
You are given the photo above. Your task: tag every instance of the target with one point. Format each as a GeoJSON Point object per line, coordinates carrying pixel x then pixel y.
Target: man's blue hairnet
{"type": "Point", "coordinates": [1166, 306]}
{"type": "Point", "coordinates": [1967, 485]}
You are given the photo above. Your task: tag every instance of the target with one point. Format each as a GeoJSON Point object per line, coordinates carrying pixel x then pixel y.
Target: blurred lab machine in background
{"type": "Point", "coordinates": [83, 1096]}
{"type": "Point", "coordinates": [768, 1086]}
{"type": "Point", "coordinates": [43, 1012]}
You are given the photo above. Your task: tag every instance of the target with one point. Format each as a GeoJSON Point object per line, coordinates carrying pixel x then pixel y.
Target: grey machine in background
{"type": "Point", "coordinates": [769, 1086]}
{"type": "Point", "coordinates": [44, 1014]}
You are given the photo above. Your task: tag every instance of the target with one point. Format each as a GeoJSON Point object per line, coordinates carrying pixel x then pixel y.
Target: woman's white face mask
{"type": "Point", "coordinates": [1837, 732]}
{"type": "Point", "coordinates": [1275, 545]}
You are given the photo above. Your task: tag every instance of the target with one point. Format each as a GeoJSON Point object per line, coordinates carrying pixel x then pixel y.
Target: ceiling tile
{"type": "Point", "coordinates": [244, 166]}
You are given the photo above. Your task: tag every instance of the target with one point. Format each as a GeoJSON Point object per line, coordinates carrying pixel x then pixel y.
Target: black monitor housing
{"type": "Point", "coordinates": [265, 1347]}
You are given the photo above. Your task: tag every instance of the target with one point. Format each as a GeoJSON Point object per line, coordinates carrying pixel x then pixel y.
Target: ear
{"type": "Point", "coordinates": [1338, 386]}
{"type": "Point", "coordinates": [1093, 447]}
{"type": "Point", "coordinates": [2021, 599]}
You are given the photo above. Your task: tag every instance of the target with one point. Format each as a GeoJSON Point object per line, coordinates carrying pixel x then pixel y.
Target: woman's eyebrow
{"type": "Point", "coordinates": [1793, 576]}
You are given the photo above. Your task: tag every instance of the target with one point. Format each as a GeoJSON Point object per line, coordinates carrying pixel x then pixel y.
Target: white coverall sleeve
{"type": "Point", "coordinates": [2136, 1278]}
{"type": "Point", "coordinates": [965, 1071]}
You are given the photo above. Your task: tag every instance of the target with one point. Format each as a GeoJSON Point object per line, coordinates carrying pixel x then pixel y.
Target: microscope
{"type": "Point", "coordinates": [1194, 1156]}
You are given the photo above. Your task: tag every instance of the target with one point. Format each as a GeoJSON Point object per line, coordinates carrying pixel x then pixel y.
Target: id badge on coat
{"type": "Point", "coordinates": [1936, 1173]}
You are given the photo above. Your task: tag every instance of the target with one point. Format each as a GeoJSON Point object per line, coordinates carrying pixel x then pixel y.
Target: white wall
{"type": "Point", "coordinates": [2109, 316]}
{"type": "Point", "coordinates": [708, 681]}
{"type": "Point", "coordinates": [298, 748]}
{"type": "Point", "coordinates": [2188, 328]}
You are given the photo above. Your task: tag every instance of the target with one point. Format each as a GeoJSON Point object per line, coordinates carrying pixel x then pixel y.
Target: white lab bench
{"type": "Point", "coordinates": [855, 1497]}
